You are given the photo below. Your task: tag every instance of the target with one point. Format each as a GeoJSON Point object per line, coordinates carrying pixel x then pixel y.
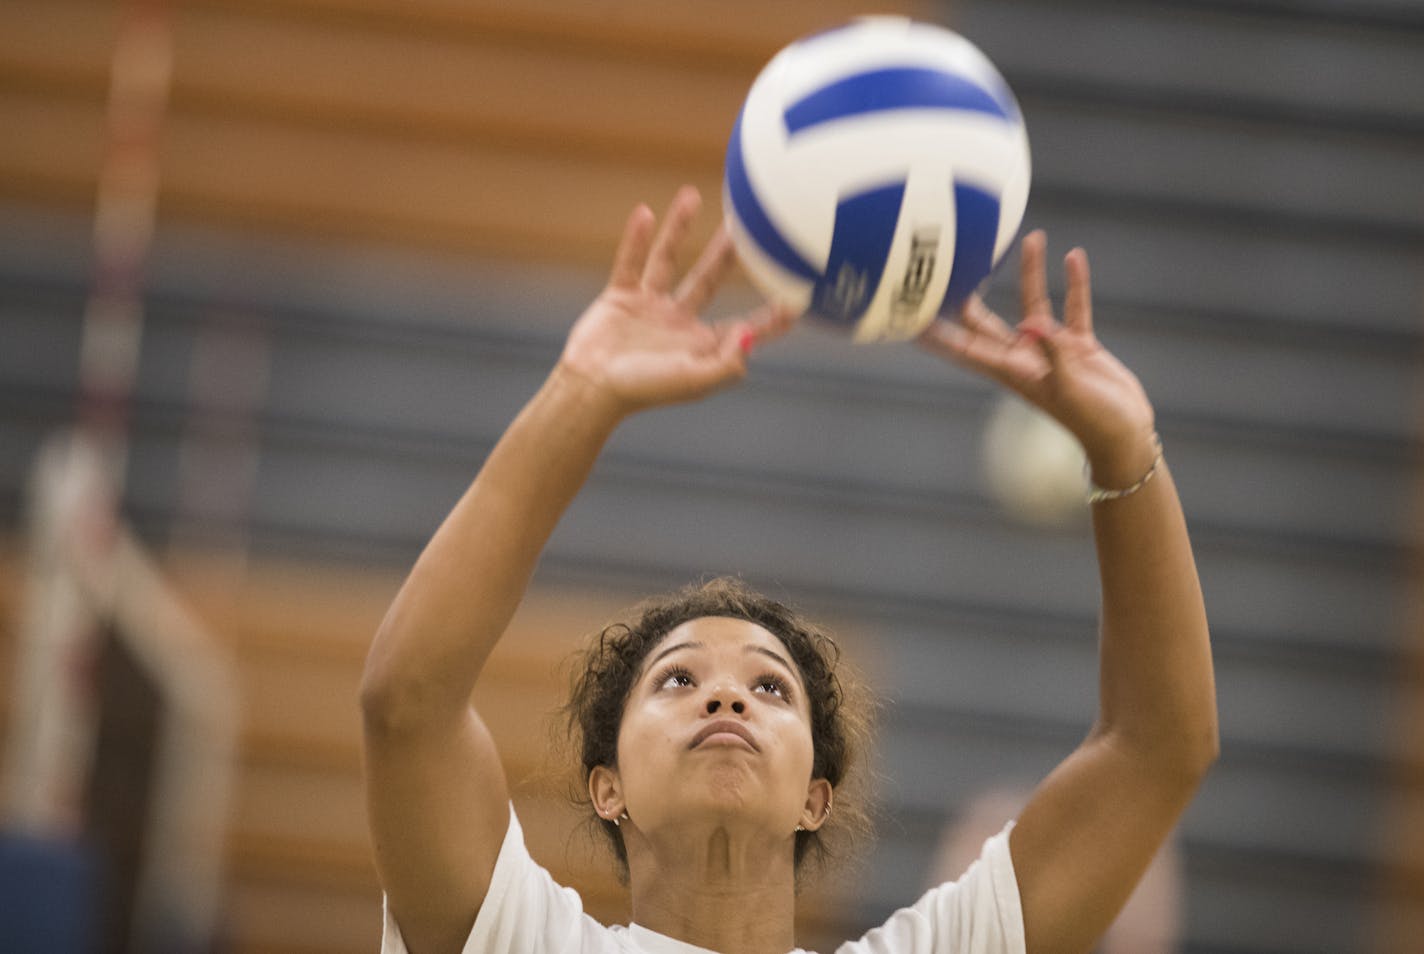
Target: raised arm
{"type": "Point", "coordinates": [437, 799]}
{"type": "Point", "coordinates": [1094, 824]}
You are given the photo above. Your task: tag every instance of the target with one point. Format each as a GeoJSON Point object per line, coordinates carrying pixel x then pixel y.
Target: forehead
{"type": "Point", "coordinates": [722, 632]}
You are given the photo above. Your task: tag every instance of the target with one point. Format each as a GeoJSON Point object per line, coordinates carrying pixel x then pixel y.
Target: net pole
{"type": "Point", "coordinates": [78, 477]}
{"type": "Point", "coordinates": [125, 215]}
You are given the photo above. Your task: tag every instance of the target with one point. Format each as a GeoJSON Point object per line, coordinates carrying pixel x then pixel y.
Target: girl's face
{"type": "Point", "coordinates": [717, 729]}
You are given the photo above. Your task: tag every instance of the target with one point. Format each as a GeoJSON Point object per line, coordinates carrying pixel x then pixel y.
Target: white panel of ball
{"type": "Point", "coordinates": [799, 180]}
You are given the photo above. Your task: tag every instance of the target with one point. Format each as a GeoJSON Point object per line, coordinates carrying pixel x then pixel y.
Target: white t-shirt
{"type": "Point", "coordinates": [527, 912]}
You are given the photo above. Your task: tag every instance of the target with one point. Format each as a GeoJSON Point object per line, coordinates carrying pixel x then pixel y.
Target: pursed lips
{"type": "Point", "coordinates": [727, 726]}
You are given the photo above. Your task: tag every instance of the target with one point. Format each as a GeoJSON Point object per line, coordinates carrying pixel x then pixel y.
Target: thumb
{"type": "Point", "coordinates": [737, 340]}
{"type": "Point", "coordinates": [712, 370]}
{"type": "Point", "coordinates": [1044, 335]}
{"type": "Point", "coordinates": [736, 348]}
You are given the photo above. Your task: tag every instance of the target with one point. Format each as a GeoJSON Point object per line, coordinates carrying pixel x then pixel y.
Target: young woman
{"type": "Point", "coordinates": [713, 732]}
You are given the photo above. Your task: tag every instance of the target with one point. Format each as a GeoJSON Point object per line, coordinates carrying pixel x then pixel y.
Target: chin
{"type": "Point", "coordinates": [727, 791]}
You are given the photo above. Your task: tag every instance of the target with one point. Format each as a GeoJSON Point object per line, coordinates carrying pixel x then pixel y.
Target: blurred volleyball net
{"type": "Point", "coordinates": [123, 713]}
{"type": "Point", "coordinates": [122, 730]}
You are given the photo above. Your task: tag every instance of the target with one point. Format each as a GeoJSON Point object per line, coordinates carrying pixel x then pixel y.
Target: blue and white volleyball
{"type": "Point", "coordinates": [876, 175]}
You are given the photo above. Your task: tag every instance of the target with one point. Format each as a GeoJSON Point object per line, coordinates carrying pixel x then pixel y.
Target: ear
{"type": "Point", "coordinates": [605, 789]}
{"type": "Point", "coordinates": [818, 804]}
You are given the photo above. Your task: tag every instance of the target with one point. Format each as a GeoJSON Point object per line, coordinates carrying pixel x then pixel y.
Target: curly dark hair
{"type": "Point", "coordinates": [841, 709]}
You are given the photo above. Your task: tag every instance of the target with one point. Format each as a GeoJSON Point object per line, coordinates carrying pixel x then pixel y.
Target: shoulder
{"type": "Point", "coordinates": [525, 911]}
{"type": "Point", "coordinates": [978, 914]}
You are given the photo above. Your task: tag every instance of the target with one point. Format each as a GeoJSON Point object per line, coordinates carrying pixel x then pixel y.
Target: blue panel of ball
{"type": "Point", "coordinates": [754, 218]}
{"type": "Point", "coordinates": [889, 89]}
{"type": "Point", "coordinates": [860, 244]}
{"type": "Point", "coordinates": [976, 224]}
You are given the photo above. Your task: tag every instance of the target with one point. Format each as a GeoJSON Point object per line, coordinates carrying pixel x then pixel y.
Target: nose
{"type": "Point", "coordinates": [725, 695]}
{"type": "Point", "coordinates": [714, 704]}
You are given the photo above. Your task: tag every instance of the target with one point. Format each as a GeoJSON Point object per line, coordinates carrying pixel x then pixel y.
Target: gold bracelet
{"type": "Point", "coordinates": [1098, 494]}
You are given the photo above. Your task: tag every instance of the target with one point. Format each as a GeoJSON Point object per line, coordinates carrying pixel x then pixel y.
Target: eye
{"type": "Point", "coordinates": [674, 677]}
{"type": "Point", "coordinates": [772, 684]}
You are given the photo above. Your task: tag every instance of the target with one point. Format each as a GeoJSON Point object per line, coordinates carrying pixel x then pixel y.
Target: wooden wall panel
{"type": "Point", "coordinates": [503, 129]}
{"type": "Point", "coordinates": [55, 158]}
{"type": "Point", "coordinates": [480, 198]}
{"type": "Point", "coordinates": [462, 88]}
{"type": "Point", "coordinates": [61, 45]}
{"type": "Point", "coordinates": [745, 29]}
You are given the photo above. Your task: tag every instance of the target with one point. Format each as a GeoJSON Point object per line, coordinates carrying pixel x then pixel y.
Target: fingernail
{"type": "Point", "coordinates": [747, 341]}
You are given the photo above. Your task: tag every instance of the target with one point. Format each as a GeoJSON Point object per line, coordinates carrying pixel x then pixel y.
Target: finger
{"type": "Point", "coordinates": [1033, 276]}
{"type": "Point", "coordinates": [662, 260]}
{"type": "Point", "coordinates": [1041, 333]}
{"type": "Point", "coordinates": [1040, 338]}
{"type": "Point", "coordinates": [700, 284]}
{"type": "Point", "coordinates": [981, 319]}
{"type": "Point", "coordinates": [964, 347]}
{"type": "Point", "coordinates": [632, 251]}
{"type": "Point", "coordinates": [764, 325]}
{"type": "Point", "coordinates": [757, 327]}
{"type": "Point", "coordinates": [721, 367]}
{"type": "Point", "coordinates": [944, 338]}
{"type": "Point", "coordinates": [1078, 302]}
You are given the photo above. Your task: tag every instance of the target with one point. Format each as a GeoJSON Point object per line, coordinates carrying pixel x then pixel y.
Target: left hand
{"type": "Point", "coordinates": [643, 342]}
{"type": "Point", "coordinates": [1059, 367]}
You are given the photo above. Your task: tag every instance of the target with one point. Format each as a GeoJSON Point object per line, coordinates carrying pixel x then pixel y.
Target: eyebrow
{"type": "Point", "coordinates": [778, 657]}
{"type": "Point", "coordinates": [672, 649]}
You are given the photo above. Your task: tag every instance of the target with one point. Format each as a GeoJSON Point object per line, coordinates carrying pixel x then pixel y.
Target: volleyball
{"type": "Point", "coordinates": [875, 175]}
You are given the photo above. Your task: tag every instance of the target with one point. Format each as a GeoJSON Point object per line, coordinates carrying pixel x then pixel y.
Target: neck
{"type": "Point", "coordinates": [715, 890]}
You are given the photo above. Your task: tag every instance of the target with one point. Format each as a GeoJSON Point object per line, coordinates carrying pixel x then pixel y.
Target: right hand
{"type": "Point", "coordinates": [1059, 367]}
{"type": "Point", "coordinates": [642, 343]}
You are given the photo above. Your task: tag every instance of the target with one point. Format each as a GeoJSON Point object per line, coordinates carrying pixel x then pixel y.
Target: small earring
{"type": "Point", "coordinates": [618, 822]}
{"type": "Point", "coordinates": [823, 817]}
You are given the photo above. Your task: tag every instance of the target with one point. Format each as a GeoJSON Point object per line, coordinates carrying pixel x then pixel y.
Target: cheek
{"type": "Point", "coordinates": [794, 735]}
{"type": "Point", "coordinates": [643, 737]}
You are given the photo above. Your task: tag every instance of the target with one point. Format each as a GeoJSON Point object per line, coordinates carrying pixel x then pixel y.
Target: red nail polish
{"type": "Point", "coordinates": [747, 341]}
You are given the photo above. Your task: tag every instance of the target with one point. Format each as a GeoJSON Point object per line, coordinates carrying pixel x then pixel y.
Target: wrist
{"type": "Point", "coordinates": [1123, 462]}
{"type": "Point", "coordinates": [580, 396]}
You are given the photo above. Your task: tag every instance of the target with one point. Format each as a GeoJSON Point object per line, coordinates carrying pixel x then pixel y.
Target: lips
{"type": "Point", "coordinates": [727, 726]}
